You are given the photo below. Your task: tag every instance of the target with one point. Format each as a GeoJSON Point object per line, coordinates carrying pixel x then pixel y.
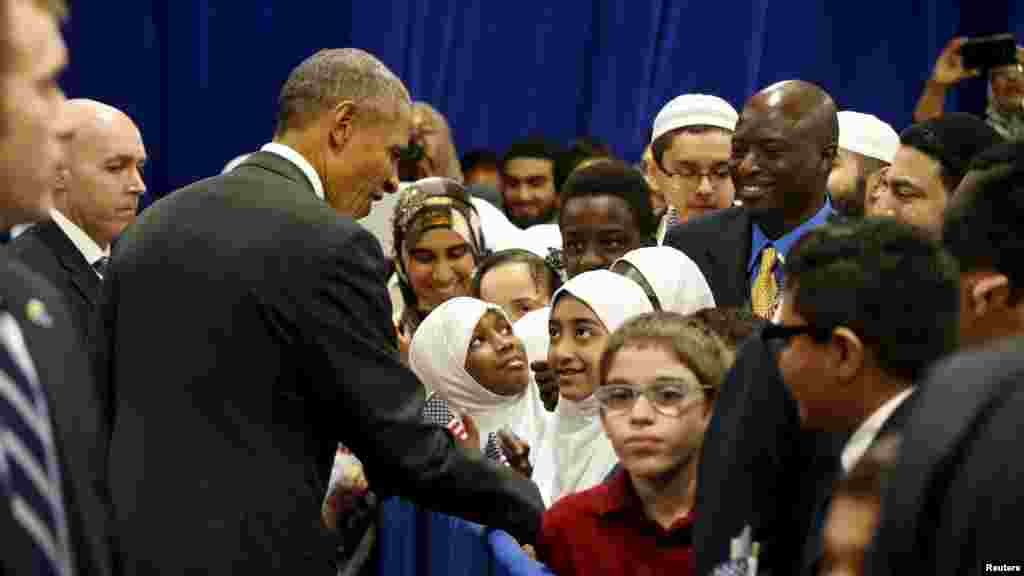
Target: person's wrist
{"type": "Point", "coordinates": [936, 83]}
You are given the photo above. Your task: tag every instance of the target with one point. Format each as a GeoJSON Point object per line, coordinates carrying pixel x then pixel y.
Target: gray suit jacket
{"type": "Point", "coordinates": [955, 500]}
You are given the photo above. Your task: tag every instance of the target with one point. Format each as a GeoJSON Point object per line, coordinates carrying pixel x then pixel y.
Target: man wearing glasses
{"type": "Point", "coordinates": [779, 161]}
{"type": "Point", "coordinates": [866, 310]}
{"type": "Point", "coordinates": [690, 147]}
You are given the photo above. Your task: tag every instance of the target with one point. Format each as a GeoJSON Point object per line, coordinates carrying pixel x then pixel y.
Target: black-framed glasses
{"type": "Point", "coordinates": [666, 398]}
{"type": "Point", "coordinates": [785, 333]}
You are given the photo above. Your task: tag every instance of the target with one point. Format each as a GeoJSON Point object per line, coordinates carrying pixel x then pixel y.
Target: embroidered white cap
{"type": "Point", "coordinates": [694, 110]}
{"type": "Point", "coordinates": [867, 135]}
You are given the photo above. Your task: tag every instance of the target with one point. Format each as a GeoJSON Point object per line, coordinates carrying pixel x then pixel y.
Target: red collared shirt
{"type": "Point", "coordinates": [604, 530]}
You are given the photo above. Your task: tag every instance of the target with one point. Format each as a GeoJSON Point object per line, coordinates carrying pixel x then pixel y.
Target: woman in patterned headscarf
{"type": "Point", "coordinates": [437, 243]}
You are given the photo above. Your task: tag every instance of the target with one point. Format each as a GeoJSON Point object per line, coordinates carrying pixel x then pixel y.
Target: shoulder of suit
{"type": "Point", "coordinates": [44, 241]}
{"type": "Point", "coordinates": [20, 280]}
{"type": "Point", "coordinates": [704, 225]}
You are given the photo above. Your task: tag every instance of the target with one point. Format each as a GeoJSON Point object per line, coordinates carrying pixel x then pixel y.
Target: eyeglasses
{"type": "Point", "coordinates": [667, 399]}
{"type": "Point", "coordinates": [785, 333]}
{"type": "Point", "coordinates": [715, 176]}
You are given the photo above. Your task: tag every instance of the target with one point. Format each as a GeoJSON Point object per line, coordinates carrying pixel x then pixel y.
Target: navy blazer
{"type": "Point", "coordinates": [63, 370]}
{"type": "Point", "coordinates": [48, 251]}
{"type": "Point", "coordinates": [759, 468]}
{"type": "Point", "coordinates": [719, 243]}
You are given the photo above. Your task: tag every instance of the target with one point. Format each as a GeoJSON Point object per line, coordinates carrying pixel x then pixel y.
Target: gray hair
{"type": "Point", "coordinates": [330, 77]}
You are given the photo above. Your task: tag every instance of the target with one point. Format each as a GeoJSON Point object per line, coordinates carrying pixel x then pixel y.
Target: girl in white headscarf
{"type": "Point", "coordinates": [466, 353]}
{"type": "Point", "coordinates": [575, 454]}
{"type": "Point", "coordinates": [672, 280]}
{"type": "Point", "coordinates": [532, 329]}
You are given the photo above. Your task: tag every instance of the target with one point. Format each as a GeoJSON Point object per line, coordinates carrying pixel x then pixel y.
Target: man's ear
{"type": "Point", "coordinates": [63, 176]}
{"type": "Point", "coordinates": [988, 293]}
{"type": "Point", "coordinates": [849, 354]}
{"type": "Point", "coordinates": [828, 155]}
{"type": "Point", "coordinates": [342, 119]}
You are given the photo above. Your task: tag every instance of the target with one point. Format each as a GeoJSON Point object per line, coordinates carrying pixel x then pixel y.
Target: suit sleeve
{"type": "Point", "coordinates": [373, 403]}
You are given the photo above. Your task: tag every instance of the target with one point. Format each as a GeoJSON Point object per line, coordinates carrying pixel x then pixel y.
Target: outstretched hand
{"type": "Point", "coordinates": [516, 451]}
{"type": "Point", "coordinates": [470, 437]}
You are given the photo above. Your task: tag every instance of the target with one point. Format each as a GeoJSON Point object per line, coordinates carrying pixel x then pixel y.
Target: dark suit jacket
{"type": "Point", "coordinates": [759, 468]}
{"type": "Point", "coordinates": [47, 250]}
{"type": "Point", "coordinates": [248, 331]}
{"type": "Point", "coordinates": [955, 501]}
{"type": "Point", "coordinates": [63, 370]}
{"type": "Point", "coordinates": [814, 548]}
{"type": "Point", "coordinates": [720, 245]}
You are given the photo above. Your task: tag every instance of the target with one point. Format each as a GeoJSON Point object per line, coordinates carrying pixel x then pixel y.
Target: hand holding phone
{"type": "Point", "coordinates": [950, 68]}
{"type": "Point", "coordinates": [989, 52]}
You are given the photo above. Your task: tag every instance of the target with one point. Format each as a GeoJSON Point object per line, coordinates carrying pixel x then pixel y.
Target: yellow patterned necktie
{"type": "Point", "coordinates": [765, 290]}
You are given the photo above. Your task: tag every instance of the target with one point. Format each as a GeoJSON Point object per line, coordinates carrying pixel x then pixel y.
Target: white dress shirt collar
{"type": "Point", "coordinates": [861, 440]}
{"type": "Point", "coordinates": [90, 250]}
{"type": "Point", "coordinates": [289, 153]}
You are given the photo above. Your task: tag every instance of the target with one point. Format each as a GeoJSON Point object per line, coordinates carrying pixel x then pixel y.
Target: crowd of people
{"type": "Point", "coordinates": [787, 341]}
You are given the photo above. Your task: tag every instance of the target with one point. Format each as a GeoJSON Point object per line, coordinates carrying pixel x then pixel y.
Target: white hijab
{"type": "Point", "coordinates": [532, 329]}
{"type": "Point", "coordinates": [676, 279]}
{"type": "Point", "coordinates": [437, 355]}
{"type": "Point", "coordinates": [575, 454]}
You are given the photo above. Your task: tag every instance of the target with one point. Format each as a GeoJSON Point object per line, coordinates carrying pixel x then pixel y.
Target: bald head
{"type": "Point", "coordinates": [782, 153]}
{"type": "Point", "coordinates": [806, 105]}
{"type": "Point", "coordinates": [432, 131]}
{"type": "Point", "coordinates": [100, 175]}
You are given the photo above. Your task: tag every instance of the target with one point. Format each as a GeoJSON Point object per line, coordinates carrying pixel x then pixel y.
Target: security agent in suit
{"type": "Point", "coordinates": [99, 183]}
{"type": "Point", "coordinates": [951, 504]}
{"type": "Point", "coordinates": [45, 373]}
{"type": "Point", "coordinates": [64, 375]}
{"type": "Point", "coordinates": [782, 154]}
{"type": "Point", "coordinates": [868, 308]}
{"type": "Point", "coordinates": [276, 345]}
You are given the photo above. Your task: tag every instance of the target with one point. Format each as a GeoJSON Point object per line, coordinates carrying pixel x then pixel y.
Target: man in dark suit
{"type": "Point", "coordinates": [867, 309]}
{"type": "Point", "coordinates": [54, 511]}
{"type": "Point", "coordinates": [954, 497]}
{"type": "Point", "coordinates": [782, 153]}
{"type": "Point", "coordinates": [99, 183]}
{"type": "Point", "coordinates": [272, 342]}
{"type": "Point", "coordinates": [757, 464]}
{"type": "Point", "coordinates": [954, 501]}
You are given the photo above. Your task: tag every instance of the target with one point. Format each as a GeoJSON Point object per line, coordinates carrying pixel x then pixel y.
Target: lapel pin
{"type": "Point", "coordinates": [36, 312]}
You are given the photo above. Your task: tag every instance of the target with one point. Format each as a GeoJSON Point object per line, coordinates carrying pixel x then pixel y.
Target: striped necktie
{"type": "Point", "coordinates": [29, 475]}
{"type": "Point", "coordinates": [765, 290]}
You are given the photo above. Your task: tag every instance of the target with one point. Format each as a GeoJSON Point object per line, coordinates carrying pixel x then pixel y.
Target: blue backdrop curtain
{"type": "Point", "coordinates": [201, 77]}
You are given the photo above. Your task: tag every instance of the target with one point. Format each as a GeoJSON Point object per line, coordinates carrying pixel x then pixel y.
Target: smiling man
{"type": "Point", "coordinates": [932, 159]}
{"type": "Point", "coordinates": [781, 156]}
{"type": "Point", "coordinates": [99, 183]}
{"type": "Point", "coordinates": [527, 182]}
{"type": "Point", "coordinates": [274, 302]}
